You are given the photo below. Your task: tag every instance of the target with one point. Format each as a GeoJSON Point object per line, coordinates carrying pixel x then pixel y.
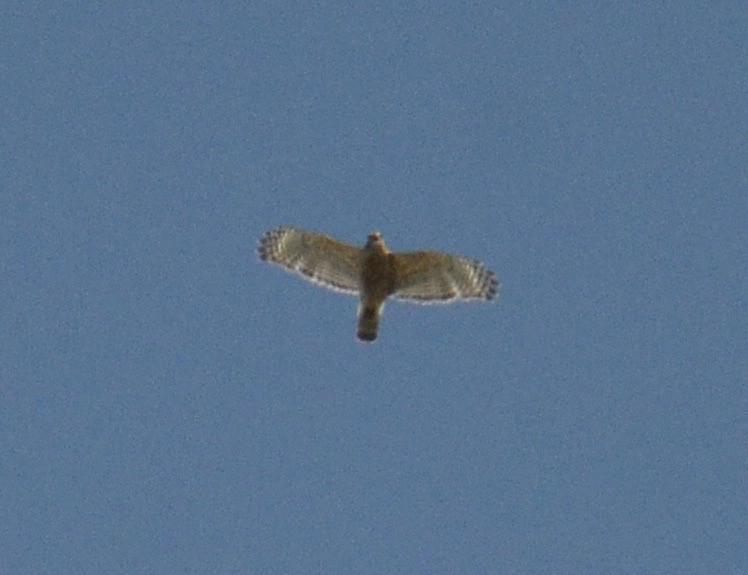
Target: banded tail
{"type": "Point", "coordinates": [368, 322]}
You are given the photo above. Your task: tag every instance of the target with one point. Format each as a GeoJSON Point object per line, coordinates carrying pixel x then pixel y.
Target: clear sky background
{"type": "Point", "coordinates": [172, 405]}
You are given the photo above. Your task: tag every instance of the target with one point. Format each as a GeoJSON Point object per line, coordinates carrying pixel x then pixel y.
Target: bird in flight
{"type": "Point", "coordinates": [374, 273]}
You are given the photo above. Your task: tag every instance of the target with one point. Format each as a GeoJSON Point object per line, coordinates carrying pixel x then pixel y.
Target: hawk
{"type": "Point", "coordinates": [374, 273]}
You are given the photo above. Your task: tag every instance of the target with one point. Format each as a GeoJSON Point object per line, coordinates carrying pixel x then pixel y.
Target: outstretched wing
{"type": "Point", "coordinates": [316, 257]}
{"type": "Point", "coordinates": [433, 277]}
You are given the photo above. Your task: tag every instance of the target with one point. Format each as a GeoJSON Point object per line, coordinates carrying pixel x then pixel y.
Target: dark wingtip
{"type": "Point", "coordinates": [367, 337]}
{"type": "Point", "coordinates": [263, 250]}
{"type": "Point", "coordinates": [493, 288]}
{"type": "Point", "coordinates": [493, 292]}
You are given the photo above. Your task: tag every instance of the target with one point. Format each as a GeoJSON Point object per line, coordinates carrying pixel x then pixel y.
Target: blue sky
{"type": "Point", "coordinates": [171, 404]}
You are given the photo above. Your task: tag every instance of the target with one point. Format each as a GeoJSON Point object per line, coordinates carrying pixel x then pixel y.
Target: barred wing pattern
{"type": "Point", "coordinates": [433, 277]}
{"type": "Point", "coordinates": [316, 257]}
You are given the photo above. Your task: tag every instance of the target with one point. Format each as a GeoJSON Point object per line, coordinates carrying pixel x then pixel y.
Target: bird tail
{"type": "Point", "coordinates": [368, 322]}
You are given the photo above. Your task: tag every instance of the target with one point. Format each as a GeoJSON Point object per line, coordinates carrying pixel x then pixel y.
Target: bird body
{"type": "Point", "coordinates": [377, 283]}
